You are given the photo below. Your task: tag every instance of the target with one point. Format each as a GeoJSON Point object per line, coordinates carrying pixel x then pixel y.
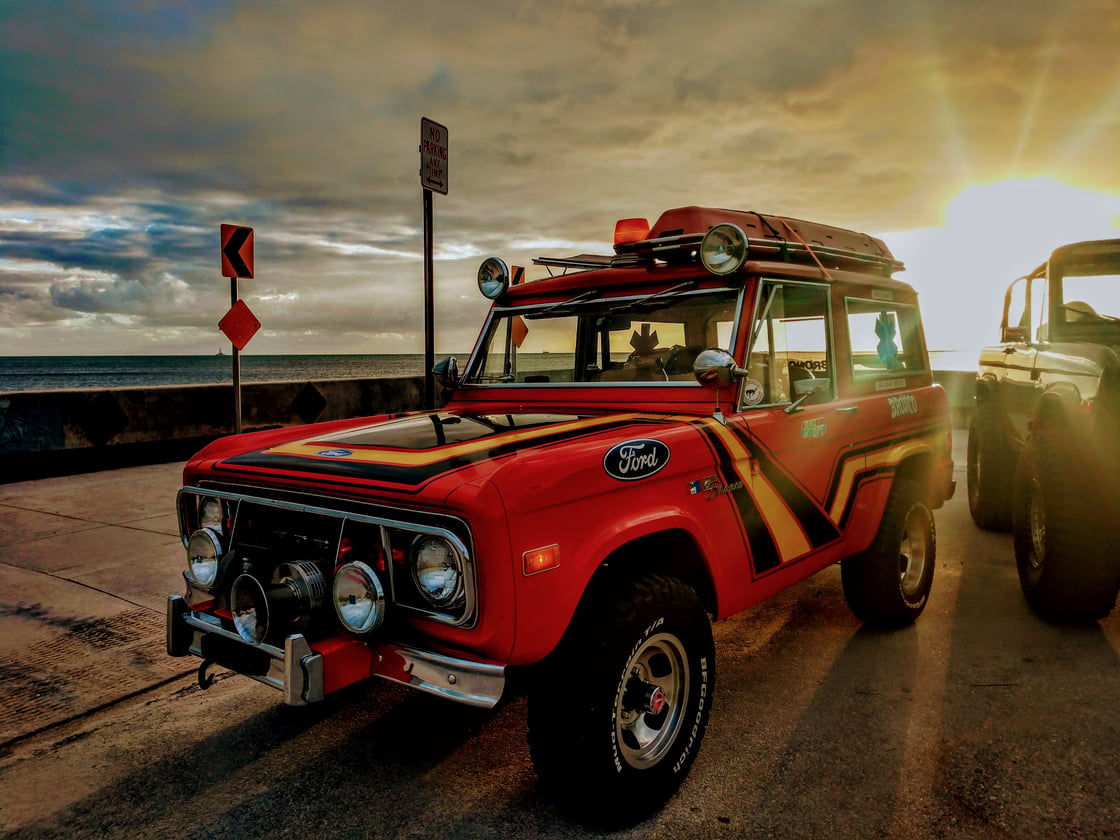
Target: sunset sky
{"type": "Point", "coordinates": [972, 136]}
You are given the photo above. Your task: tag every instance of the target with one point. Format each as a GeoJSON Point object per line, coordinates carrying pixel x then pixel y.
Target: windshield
{"type": "Point", "coordinates": [591, 339]}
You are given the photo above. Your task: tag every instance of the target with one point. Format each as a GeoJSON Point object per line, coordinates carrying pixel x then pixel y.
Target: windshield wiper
{"type": "Point", "coordinates": [643, 303]}
{"type": "Point", "coordinates": [549, 309]}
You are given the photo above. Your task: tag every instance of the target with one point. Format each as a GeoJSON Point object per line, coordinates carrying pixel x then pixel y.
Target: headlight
{"type": "Point", "coordinates": [724, 249]}
{"type": "Point", "coordinates": [203, 553]}
{"type": "Point", "coordinates": [210, 513]}
{"type": "Point", "coordinates": [437, 570]}
{"type": "Point", "coordinates": [359, 599]}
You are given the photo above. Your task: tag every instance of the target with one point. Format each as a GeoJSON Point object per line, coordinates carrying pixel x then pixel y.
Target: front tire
{"type": "Point", "coordinates": [617, 715]}
{"type": "Point", "coordinates": [889, 584]}
{"type": "Point", "coordinates": [1067, 566]}
{"type": "Point", "coordinates": [989, 471]}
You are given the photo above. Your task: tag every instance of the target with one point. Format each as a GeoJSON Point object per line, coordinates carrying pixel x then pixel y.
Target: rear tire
{"type": "Point", "coordinates": [617, 715]}
{"type": "Point", "coordinates": [989, 473]}
{"type": "Point", "coordinates": [889, 584]}
{"type": "Point", "coordinates": [1064, 544]}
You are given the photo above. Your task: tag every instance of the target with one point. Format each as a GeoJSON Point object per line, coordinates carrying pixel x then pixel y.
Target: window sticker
{"type": "Point", "coordinates": [752, 392]}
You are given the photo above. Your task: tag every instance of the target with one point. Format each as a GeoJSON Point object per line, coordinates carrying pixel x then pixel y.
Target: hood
{"type": "Point", "coordinates": [411, 451]}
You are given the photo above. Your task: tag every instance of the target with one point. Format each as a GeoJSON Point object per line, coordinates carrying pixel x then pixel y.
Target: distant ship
{"type": "Point", "coordinates": [219, 353]}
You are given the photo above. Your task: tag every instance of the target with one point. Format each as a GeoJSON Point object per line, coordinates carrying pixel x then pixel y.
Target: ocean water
{"type": "Point", "coordinates": [54, 373]}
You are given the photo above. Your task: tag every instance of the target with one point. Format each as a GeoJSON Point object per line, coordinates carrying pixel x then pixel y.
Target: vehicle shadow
{"type": "Point", "coordinates": [1030, 742]}
{"type": "Point", "coordinates": [371, 761]}
{"type": "Point", "coordinates": [812, 723]}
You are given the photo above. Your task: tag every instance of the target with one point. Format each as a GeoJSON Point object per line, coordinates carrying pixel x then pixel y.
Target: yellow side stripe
{"type": "Point", "coordinates": [889, 455]}
{"type": "Point", "coordinates": [784, 526]}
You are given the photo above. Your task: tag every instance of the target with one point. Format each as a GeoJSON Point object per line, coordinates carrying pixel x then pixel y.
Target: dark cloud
{"type": "Point", "coordinates": [131, 130]}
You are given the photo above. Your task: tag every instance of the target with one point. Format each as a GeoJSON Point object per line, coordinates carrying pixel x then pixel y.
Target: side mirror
{"type": "Point", "coordinates": [446, 373]}
{"type": "Point", "coordinates": [803, 389]}
{"type": "Point", "coordinates": [715, 369]}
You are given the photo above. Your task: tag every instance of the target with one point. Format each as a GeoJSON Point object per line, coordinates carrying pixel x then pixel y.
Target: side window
{"type": "Point", "coordinates": [1026, 310]}
{"type": "Point", "coordinates": [789, 354]}
{"type": "Point", "coordinates": [1040, 309]}
{"type": "Point", "coordinates": [886, 338]}
{"type": "Point", "coordinates": [1018, 309]}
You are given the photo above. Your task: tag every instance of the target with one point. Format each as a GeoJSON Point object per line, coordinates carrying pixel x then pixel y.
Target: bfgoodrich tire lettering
{"type": "Point", "coordinates": [617, 715]}
{"type": "Point", "coordinates": [1068, 568]}
{"type": "Point", "coordinates": [888, 585]}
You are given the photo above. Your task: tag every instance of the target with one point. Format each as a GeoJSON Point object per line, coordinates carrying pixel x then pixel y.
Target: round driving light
{"type": "Point", "coordinates": [249, 604]}
{"type": "Point", "coordinates": [203, 553]}
{"type": "Point", "coordinates": [724, 249]}
{"type": "Point", "coordinates": [437, 570]}
{"type": "Point", "coordinates": [493, 278]}
{"type": "Point", "coordinates": [359, 599]}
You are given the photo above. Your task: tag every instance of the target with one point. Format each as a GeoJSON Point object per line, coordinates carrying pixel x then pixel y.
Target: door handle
{"type": "Point", "coordinates": [848, 409]}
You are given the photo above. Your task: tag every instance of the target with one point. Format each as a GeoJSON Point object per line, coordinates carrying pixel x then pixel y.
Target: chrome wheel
{"type": "Point", "coordinates": [650, 702]}
{"type": "Point", "coordinates": [913, 551]}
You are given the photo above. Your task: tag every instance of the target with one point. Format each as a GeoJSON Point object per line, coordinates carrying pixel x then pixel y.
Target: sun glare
{"type": "Point", "coordinates": [992, 234]}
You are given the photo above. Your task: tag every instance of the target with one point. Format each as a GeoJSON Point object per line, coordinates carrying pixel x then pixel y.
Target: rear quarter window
{"type": "Point", "coordinates": [886, 339]}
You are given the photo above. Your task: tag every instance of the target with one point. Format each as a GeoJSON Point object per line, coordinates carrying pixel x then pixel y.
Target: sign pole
{"type": "Point", "coordinates": [433, 176]}
{"type": "Point", "coordinates": [236, 366]}
{"type": "Point", "coordinates": [429, 305]}
{"type": "Point", "coordinates": [239, 324]}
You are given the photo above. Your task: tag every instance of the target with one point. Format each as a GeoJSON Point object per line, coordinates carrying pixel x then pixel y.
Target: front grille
{"type": "Point", "coordinates": [271, 539]}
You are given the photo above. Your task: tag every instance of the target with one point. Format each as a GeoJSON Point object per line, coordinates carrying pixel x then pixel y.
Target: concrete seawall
{"type": "Point", "coordinates": [57, 432]}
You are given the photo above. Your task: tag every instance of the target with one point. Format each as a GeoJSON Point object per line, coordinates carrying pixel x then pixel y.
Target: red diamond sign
{"type": "Point", "coordinates": [239, 324]}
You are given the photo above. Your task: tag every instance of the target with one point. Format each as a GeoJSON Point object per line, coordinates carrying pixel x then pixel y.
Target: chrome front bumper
{"type": "Point", "coordinates": [304, 675]}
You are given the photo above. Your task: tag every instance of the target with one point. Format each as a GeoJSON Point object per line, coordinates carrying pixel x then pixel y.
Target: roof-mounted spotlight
{"type": "Point", "coordinates": [493, 278]}
{"type": "Point", "coordinates": [724, 249]}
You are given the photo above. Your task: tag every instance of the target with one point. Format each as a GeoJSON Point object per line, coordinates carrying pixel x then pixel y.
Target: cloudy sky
{"type": "Point", "coordinates": [973, 136]}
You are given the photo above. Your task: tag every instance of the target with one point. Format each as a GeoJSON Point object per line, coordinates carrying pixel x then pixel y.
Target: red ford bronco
{"type": "Point", "coordinates": [639, 443]}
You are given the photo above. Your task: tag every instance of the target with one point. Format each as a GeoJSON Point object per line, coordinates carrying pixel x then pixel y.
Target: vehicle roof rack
{"type": "Point", "coordinates": [677, 235]}
{"type": "Point", "coordinates": [580, 261]}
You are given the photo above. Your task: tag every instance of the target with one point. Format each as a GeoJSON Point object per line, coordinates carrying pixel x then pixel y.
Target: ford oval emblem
{"type": "Point", "coordinates": [634, 459]}
{"type": "Point", "coordinates": [335, 453]}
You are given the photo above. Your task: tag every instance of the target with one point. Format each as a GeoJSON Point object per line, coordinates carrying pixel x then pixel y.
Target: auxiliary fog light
{"type": "Point", "coordinates": [724, 249]}
{"type": "Point", "coordinates": [359, 599]}
{"type": "Point", "coordinates": [204, 550]}
{"type": "Point", "coordinates": [263, 611]}
{"type": "Point", "coordinates": [437, 570]}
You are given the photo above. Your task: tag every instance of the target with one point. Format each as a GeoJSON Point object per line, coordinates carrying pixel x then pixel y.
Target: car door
{"type": "Point", "coordinates": [789, 431]}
